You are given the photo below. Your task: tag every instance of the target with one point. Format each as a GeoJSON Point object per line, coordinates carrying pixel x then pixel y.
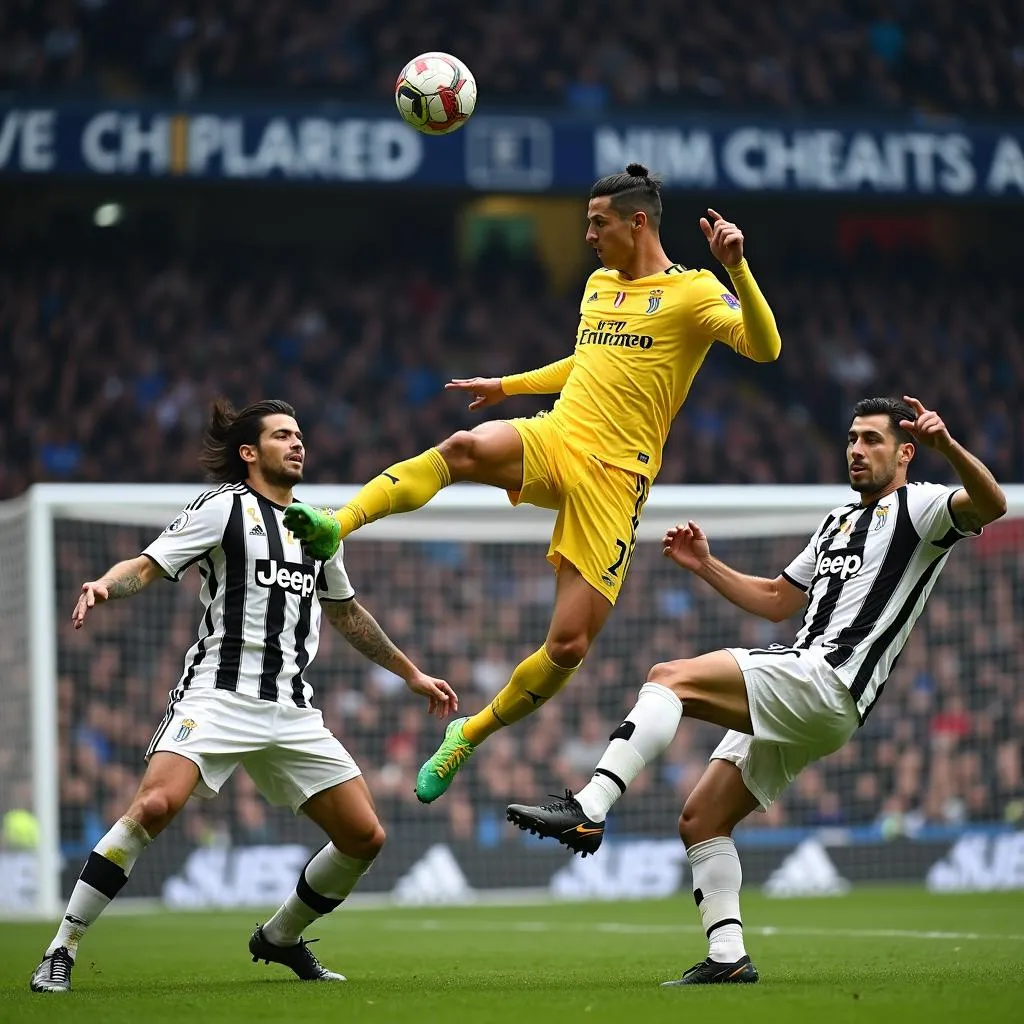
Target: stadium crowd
{"type": "Point", "coordinates": [897, 56]}
{"type": "Point", "coordinates": [106, 368]}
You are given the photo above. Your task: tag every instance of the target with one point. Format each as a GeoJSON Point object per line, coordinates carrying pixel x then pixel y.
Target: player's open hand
{"type": "Point", "coordinates": [93, 593]}
{"type": "Point", "coordinates": [725, 239]}
{"type": "Point", "coordinates": [441, 698]}
{"type": "Point", "coordinates": [687, 546]}
{"type": "Point", "coordinates": [928, 428]}
{"type": "Point", "coordinates": [484, 390]}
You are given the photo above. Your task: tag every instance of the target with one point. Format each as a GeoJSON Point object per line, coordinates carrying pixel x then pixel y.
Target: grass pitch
{"type": "Point", "coordinates": [872, 956]}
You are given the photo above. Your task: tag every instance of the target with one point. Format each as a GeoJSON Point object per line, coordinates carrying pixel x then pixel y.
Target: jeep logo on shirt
{"type": "Point", "coordinates": [294, 577]}
{"type": "Point", "coordinates": [844, 566]}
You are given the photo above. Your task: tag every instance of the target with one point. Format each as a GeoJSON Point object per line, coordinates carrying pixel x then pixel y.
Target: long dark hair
{"type": "Point", "coordinates": [228, 430]}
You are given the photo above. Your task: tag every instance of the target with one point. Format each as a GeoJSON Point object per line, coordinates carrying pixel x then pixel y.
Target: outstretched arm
{"type": "Point", "coordinates": [125, 579]}
{"type": "Point", "coordinates": [774, 600]}
{"type": "Point", "coordinates": [487, 391]}
{"type": "Point", "coordinates": [546, 380]}
{"type": "Point", "coordinates": [362, 631]}
{"type": "Point", "coordinates": [754, 334]}
{"type": "Point", "coordinates": [982, 500]}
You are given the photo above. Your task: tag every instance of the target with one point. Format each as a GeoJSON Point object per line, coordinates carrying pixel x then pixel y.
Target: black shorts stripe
{"type": "Point", "coordinates": [164, 723]}
{"type": "Point", "coordinates": [643, 492]}
{"type": "Point", "coordinates": [277, 606]}
{"type": "Point", "coordinates": [233, 545]}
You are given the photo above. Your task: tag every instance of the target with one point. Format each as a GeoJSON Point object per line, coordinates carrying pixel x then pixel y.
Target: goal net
{"type": "Point", "coordinates": [929, 791]}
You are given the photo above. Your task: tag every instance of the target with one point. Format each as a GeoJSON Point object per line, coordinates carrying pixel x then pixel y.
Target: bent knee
{"type": "Point", "coordinates": [461, 451]}
{"type": "Point", "coordinates": [376, 841]}
{"type": "Point", "coordinates": [153, 809]}
{"type": "Point", "coordinates": [569, 650]}
{"type": "Point", "coordinates": [364, 843]}
{"type": "Point", "coordinates": [674, 676]}
{"type": "Point", "coordinates": [691, 827]}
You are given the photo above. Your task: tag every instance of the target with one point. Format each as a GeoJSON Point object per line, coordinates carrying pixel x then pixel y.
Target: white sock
{"type": "Point", "coordinates": [717, 877]}
{"type": "Point", "coordinates": [646, 733]}
{"type": "Point", "coordinates": [328, 877]}
{"type": "Point", "coordinates": [102, 878]}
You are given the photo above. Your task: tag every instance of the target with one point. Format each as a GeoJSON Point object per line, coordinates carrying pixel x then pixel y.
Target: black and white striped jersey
{"type": "Point", "coordinates": [260, 594]}
{"type": "Point", "coordinates": [868, 571]}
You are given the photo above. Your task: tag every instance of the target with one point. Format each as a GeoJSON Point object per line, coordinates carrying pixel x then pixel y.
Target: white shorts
{"type": "Point", "coordinates": [288, 752]}
{"type": "Point", "coordinates": [800, 711]}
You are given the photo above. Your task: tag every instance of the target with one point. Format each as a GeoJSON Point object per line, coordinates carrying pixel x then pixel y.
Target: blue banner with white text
{"type": "Point", "coordinates": [510, 152]}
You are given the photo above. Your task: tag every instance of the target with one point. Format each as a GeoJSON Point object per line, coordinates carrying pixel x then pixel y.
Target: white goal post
{"type": "Point", "coordinates": [32, 621]}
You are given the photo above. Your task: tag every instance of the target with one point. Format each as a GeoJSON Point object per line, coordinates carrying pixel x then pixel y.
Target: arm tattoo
{"type": "Point", "coordinates": [361, 630]}
{"type": "Point", "coordinates": [124, 586]}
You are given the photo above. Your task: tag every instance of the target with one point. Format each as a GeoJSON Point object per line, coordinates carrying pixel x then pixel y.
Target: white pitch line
{"type": "Point", "coordinates": [623, 928]}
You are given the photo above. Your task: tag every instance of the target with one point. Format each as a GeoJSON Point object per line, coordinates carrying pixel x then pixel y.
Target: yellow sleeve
{"type": "Point", "coordinates": [745, 322]}
{"type": "Point", "coordinates": [547, 380]}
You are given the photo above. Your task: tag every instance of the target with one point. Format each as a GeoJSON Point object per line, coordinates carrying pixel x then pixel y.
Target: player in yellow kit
{"type": "Point", "coordinates": [646, 325]}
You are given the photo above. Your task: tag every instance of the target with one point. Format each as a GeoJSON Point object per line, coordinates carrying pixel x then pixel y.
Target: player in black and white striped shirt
{"type": "Point", "coordinates": [242, 697]}
{"type": "Point", "coordinates": [863, 580]}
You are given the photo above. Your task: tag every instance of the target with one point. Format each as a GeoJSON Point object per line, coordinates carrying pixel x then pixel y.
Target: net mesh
{"type": "Point", "coordinates": [18, 836]}
{"type": "Point", "coordinates": [941, 749]}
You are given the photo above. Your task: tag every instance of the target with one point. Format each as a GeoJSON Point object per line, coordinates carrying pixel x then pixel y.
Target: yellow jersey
{"type": "Point", "coordinates": [639, 345]}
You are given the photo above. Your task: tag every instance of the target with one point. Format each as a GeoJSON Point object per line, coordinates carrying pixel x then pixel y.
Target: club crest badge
{"type": "Point", "coordinates": [184, 730]}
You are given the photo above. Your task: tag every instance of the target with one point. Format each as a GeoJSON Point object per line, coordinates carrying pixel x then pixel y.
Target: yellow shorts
{"type": "Point", "coordinates": [598, 505]}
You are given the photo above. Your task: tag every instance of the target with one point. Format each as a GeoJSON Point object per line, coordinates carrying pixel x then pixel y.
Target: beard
{"type": "Point", "coordinates": [871, 483]}
{"type": "Point", "coordinates": [282, 476]}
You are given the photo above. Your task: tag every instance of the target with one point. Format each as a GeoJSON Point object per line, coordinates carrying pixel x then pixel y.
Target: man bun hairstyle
{"type": "Point", "coordinates": [228, 430]}
{"type": "Point", "coordinates": [636, 189]}
{"type": "Point", "coordinates": [895, 408]}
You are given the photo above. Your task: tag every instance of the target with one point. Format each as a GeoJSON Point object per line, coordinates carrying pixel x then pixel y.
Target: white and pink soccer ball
{"type": "Point", "coordinates": [435, 93]}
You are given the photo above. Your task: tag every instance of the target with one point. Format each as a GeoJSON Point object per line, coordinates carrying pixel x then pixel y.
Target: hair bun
{"type": "Point", "coordinates": [637, 170]}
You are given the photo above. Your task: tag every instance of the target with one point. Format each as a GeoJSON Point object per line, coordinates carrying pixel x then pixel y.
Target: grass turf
{"type": "Point", "coordinates": [872, 956]}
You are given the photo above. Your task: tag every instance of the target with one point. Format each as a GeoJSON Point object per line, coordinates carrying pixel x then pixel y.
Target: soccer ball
{"type": "Point", "coordinates": [435, 93]}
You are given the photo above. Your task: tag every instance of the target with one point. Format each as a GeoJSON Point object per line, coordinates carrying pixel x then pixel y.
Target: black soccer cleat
{"type": "Point", "coordinates": [711, 972]}
{"type": "Point", "coordinates": [562, 819]}
{"type": "Point", "coordinates": [297, 957]}
{"type": "Point", "coordinates": [54, 972]}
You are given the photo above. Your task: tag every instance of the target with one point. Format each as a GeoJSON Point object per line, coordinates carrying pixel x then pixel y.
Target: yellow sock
{"type": "Point", "coordinates": [535, 680]}
{"type": "Point", "coordinates": [400, 488]}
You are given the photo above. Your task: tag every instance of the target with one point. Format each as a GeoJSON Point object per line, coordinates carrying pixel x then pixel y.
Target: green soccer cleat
{"type": "Point", "coordinates": [316, 528]}
{"type": "Point", "coordinates": [434, 778]}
